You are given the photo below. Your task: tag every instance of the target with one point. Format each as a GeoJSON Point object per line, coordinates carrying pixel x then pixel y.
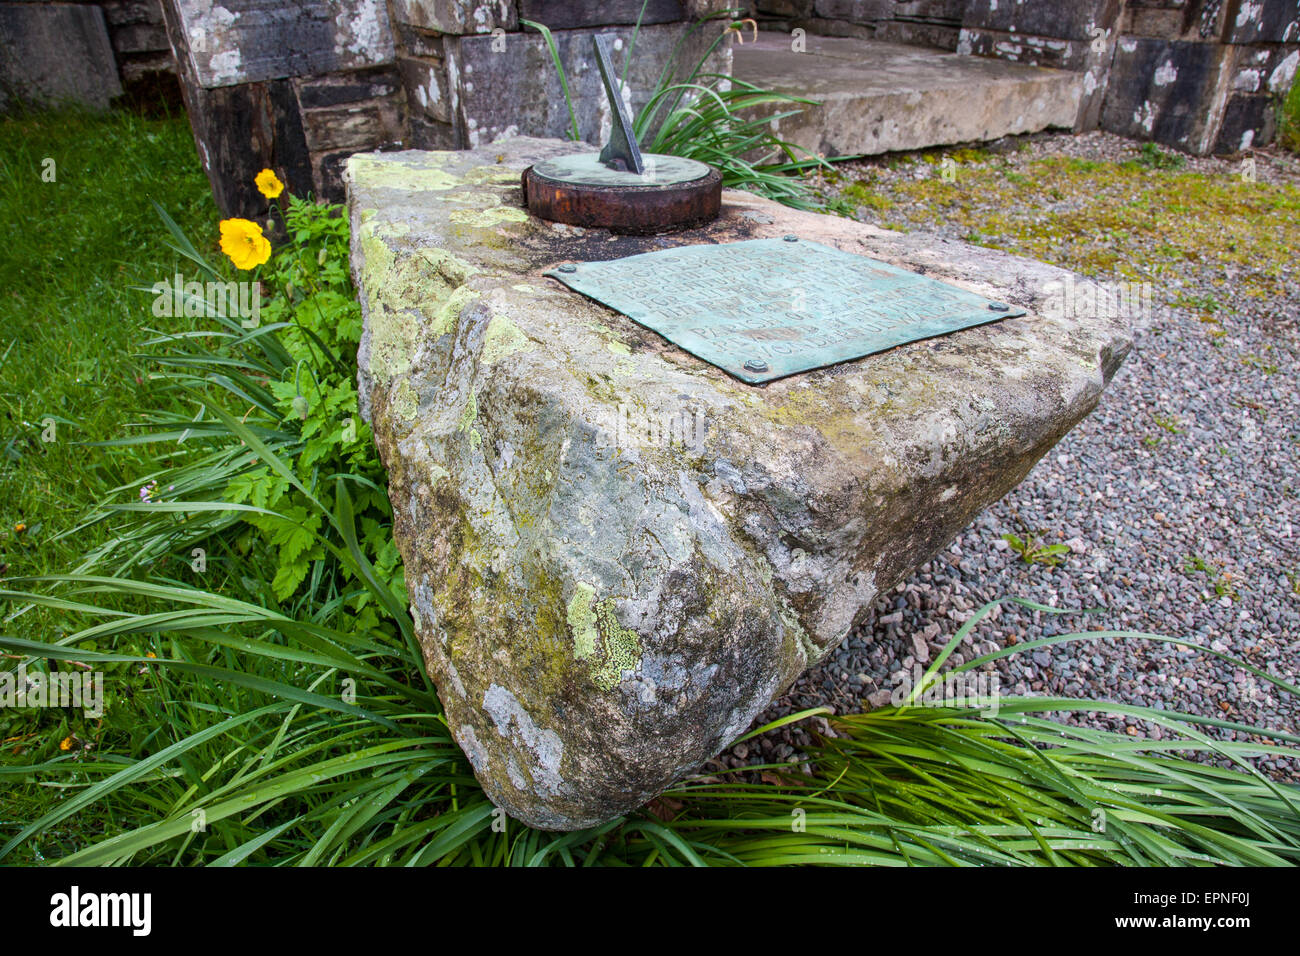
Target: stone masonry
{"type": "Point", "coordinates": [1198, 75]}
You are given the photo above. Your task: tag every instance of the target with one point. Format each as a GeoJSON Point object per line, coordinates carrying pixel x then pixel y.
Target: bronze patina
{"type": "Point", "coordinates": [767, 308]}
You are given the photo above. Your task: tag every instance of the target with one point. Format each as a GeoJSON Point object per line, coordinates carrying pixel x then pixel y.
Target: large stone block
{"type": "Point", "coordinates": [56, 53]}
{"type": "Point", "coordinates": [874, 97]}
{"type": "Point", "coordinates": [247, 41]}
{"type": "Point", "coordinates": [603, 609]}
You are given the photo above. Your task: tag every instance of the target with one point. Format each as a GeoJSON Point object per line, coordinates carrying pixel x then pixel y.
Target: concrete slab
{"type": "Point", "coordinates": [877, 97]}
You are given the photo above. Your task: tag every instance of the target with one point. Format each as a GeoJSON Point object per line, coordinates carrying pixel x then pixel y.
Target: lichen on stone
{"type": "Point", "coordinates": [593, 623]}
{"type": "Point", "coordinates": [622, 647]}
{"type": "Point", "coordinates": [582, 621]}
{"type": "Point", "coordinates": [503, 338]}
{"type": "Point", "coordinates": [487, 218]}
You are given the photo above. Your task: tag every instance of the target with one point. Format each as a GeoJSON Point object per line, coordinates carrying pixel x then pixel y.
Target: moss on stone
{"type": "Point", "coordinates": [1105, 219]}
{"type": "Point", "coordinates": [487, 218]}
{"type": "Point", "coordinates": [503, 338]}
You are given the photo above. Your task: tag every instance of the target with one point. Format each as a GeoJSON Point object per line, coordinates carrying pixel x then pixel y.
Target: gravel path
{"type": "Point", "coordinates": [1177, 499]}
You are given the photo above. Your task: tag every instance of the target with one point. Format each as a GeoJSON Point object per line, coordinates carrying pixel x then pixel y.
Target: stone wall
{"type": "Point", "coordinates": [473, 73]}
{"type": "Point", "coordinates": [1198, 75]}
{"type": "Point", "coordinates": [298, 87]}
{"type": "Point", "coordinates": [1203, 75]}
{"type": "Point", "coordinates": [86, 53]}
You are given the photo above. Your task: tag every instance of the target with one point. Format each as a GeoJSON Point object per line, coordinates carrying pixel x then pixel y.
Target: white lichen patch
{"type": "Point", "coordinates": [517, 725]}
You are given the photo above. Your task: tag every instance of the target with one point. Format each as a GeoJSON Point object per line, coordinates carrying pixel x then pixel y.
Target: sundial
{"type": "Point", "coordinates": [621, 188]}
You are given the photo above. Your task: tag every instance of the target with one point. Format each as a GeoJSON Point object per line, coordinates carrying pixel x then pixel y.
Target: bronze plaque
{"type": "Point", "coordinates": [767, 308]}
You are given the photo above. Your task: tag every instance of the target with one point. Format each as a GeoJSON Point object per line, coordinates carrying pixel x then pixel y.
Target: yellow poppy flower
{"type": "Point", "coordinates": [268, 184]}
{"type": "Point", "coordinates": [243, 241]}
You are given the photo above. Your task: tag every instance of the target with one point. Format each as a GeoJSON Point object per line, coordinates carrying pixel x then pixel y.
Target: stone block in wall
{"type": "Point", "coordinates": [919, 34]}
{"type": "Point", "coordinates": [140, 38]}
{"type": "Point", "coordinates": [855, 11]}
{"type": "Point", "coordinates": [1171, 92]}
{"type": "Point", "coordinates": [456, 16]}
{"type": "Point", "coordinates": [1264, 21]}
{"type": "Point", "coordinates": [341, 89]}
{"type": "Point", "coordinates": [787, 9]}
{"type": "Point", "coordinates": [818, 26]}
{"type": "Point", "coordinates": [248, 41]}
{"type": "Point", "coordinates": [576, 14]}
{"type": "Point", "coordinates": [1247, 121]}
{"type": "Point", "coordinates": [509, 84]}
{"type": "Point", "coordinates": [1055, 52]}
{"type": "Point", "coordinates": [54, 53]}
{"type": "Point", "coordinates": [144, 68]}
{"type": "Point", "coordinates": [1265, 69]}
{"type": "Point", "coordinates": [1174, 19]}
{"type": "Point", "coordinates": [428, 90]}
{"type": "Point", "coordinates": [1164, 23]}
{"type": "Point", "coordinates": [127, 12]}
{"type": "Point", "coordinates": [417, 41]}
{"type": "Point", "coordinates": [931, 10]}
{"type": "Point", "coordinates": [1061, 19]}
{"type": "Point", "coordinates": [353, 127]}
{"type": "Point", "coordinates": [352, 111]}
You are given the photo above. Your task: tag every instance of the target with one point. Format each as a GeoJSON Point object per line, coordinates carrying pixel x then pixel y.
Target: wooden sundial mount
{"type": "Point", "coordinates": [622, 189]}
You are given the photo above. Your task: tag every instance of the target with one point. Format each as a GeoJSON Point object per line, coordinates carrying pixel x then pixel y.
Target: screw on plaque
{"type": "Point", "coordinates": [622, 151]}
{"type": "Point", "coordinates": [791, 238]}
{"type": "Point", "coordinates": [567, 267]}
{"type": "Point", "coordinates": [999, 307]}
{"type": "Point", "coordinates": [755, 365]}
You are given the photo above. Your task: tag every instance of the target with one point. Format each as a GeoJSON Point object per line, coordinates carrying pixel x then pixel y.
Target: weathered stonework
{"type": "Point", "coordinates": [603, 610]}
{"type": "Point", "coordinates": [1159, 70]}
{"type": "Point", "coordinates": [51, 55]}
{"type": "Point", "coordinates": [469, 89]}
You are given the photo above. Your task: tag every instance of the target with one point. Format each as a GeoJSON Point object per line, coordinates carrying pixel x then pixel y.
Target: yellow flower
{"type": "Point", "coordinates": [268, 184]}
{"type": "Point", "coordinates": [66, 743]}
{"type": "Point", "coordinates": [244, 243]}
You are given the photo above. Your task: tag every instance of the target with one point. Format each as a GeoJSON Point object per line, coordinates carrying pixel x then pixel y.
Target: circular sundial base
{"type": "Point", "coordinates": [673, 193]}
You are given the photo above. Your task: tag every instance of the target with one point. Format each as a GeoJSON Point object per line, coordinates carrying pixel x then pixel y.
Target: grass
{"type": "Point", "coordinates": [263, 719]}
{"type": "Point", "coordinates": [1135, 220]}
{"type": "Point", "coordinates": [1288, 118]}
{"type": "Point", "coordinates": [69, 318]}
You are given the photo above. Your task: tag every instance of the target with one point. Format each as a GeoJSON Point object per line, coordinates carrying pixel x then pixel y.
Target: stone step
{"type": "Point", "coordinates": [877, 97]}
